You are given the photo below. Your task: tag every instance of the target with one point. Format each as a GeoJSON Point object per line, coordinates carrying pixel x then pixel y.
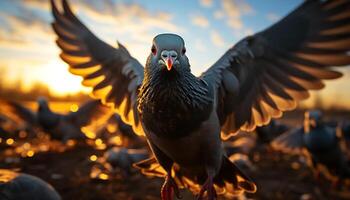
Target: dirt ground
{"type": "Point", "coordinates": [277, 176]}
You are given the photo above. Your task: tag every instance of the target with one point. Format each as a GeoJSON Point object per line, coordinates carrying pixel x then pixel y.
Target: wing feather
{"type": "Point", "coordinates": [275, 69]}
{"type": "Point", "coordinates": [113, 73]}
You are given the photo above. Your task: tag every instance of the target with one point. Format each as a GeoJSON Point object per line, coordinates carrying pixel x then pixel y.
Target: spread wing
{"type": "Point", "coordinates": [113, 73]}
{"type": "Point", "coordinates": [291, 142]}
{"type": "Point", "coordinates": [19, 113]}
{"type": "Point", "coordinates": [269, 72]}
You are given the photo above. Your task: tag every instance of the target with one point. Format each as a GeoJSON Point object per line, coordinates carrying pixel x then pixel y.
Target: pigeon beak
{"type": "Point", "coordinates": [169, 62]}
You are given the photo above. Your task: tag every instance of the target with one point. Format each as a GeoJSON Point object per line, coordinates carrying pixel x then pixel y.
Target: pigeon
{"type": "Point", "coordinates": [320, 144]}
{"type": "Point", "coordinates": [123, 158]}
{"type": "Point", "coordinates": [3, 119]}
{"type": "Point", "coordinates": [242, 142]}
{"type": "Point", "coordinates": [345, 130]}
{"type": "Point", "coordinates": [270, 131]}
{"type": "Point", "coordinates": [60, 127]}
{"type": "Point", "coordinates": [185, 117]}
{"type": "Point", "coordinates": [20, 186]}
{"type": "Point", "coordinates": [4, 133]}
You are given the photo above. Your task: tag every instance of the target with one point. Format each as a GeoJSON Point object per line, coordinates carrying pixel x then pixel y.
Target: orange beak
{"type": "Point", "coordinates": [169, 63]}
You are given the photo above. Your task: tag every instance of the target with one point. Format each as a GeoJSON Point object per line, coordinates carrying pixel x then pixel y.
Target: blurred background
{"type": "Point", "coordinates": [83, 166]}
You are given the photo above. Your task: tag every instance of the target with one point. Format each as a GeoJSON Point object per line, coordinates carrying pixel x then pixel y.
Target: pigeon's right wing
{"type": "Point", "coordinates": [113, 73]}
{"type": "Point", "coordinates": [291, 142]}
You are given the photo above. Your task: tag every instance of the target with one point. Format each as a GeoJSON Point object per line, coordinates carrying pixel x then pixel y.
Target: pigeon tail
{"type": "Point", "coordinates": [229, 182]}
{"type": "Point", "coordinates": [232, 180]}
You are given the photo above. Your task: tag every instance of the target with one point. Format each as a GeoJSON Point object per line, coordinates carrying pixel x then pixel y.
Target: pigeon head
{"type": "Point", "coordinates": [42, 101]}
{"type": "Point", "coordinates": [312, 119]}
{"type": "Point", "coordinates": [168, 53]}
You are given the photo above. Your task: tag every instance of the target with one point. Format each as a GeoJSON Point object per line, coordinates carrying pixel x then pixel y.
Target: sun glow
{"type": "Point", "coordinates": [58, 79]}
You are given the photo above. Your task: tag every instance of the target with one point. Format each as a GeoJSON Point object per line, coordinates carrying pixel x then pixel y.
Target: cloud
{"type": "Point", "coordinates": [107, 18]}
{"type": "Point", "coordinates": [37, 4]}
{"type": "Point", "coordinates": [199, 45]}
{"type": "Point", "coordinates": [272, 17]}
{"type": "Point", "coordinates": [233, 10]}
{"type": "Point", "coordinates": [26, 33]}
{"type": "Point", "coordinates": [219, 14]}
{"type": "Point", "coordinates": [248, 31]}
{"type": "Point", "coordinates": [217, 39]}
{"type": "Point", "coordinates": [206, 3]}
{"type": "Point", "coordinates": [22, 28]}
{"type": "Point", "coordinates": [200, 20]}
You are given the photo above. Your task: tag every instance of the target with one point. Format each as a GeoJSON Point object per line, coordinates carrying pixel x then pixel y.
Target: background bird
{"type": "Point", "coordinates": [320, 144]}
{"type": "Point", "coordinates": [60, 126]}
{"type": "Point", "coordinates": [19, 186]}
{"type": "Point", "coordinates": [265, 134]}
{"type": "Point", "coordinates": [122, 133]}
{"type": "Point", "coordinates": [123, 159]}
{"type": "Point", "coordinates": [183, 115]}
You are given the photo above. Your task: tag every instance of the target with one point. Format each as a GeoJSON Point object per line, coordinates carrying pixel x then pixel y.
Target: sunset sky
{"type": "Point", "coordinates": [28, 51]}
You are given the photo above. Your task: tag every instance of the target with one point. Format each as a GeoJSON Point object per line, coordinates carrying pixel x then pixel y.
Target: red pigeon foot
{"type": "Point", "coordinates": [169, 188]}
{"type": "Point", "coordinates": [208, 187]}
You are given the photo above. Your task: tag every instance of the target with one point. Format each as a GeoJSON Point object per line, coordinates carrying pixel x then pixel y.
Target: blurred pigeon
{"type": "Point", "coordinates": [270, 131]}
{"type": "Point", "coordinates": [123, 158]}
{"type": "Point", "coordinates": [115, 127]}
{"type": "Point", "coordinates": [3, 132]}
{"type": "Point", "coordinates": [59, 126]}
{"type": "Point", "coordinates": [346, 130]}
{"type": "Point", "coordinates": [239, 147]}
{"type": "Point", "coordinates": [241, 143]}
{"type": "Point", "coordinates": [18, 186]}
{"type": "Point", "coordinates": [125, 129]}
{"type": "Point", "coordinates": [3, 119]}
{"type": "Point", "coordinates": [319, 142]}
{"type": "Point", "coordinates": [243, 161]}
{"type": "Point", "coordinates": [183, 115]}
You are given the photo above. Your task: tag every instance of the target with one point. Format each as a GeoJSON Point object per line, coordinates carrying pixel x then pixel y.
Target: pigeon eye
{"type": "Point", "coordinates": [154, 50]}
{"type": "Point", "coordinates": [183, 51]}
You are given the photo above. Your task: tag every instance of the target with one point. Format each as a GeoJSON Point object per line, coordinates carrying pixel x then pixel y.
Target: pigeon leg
{"type": "Point", "coordinates": [317, 175]}
{"type": "Point", "coordinates": [208, 187]}
{"type": "Point", "coordinates": [335, 183]}
{"type": "Point", "coordinates": [169, 188]}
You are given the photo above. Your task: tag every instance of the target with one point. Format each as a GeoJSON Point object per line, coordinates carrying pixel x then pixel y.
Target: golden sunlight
{"type": "Point", "coordinates": [60, 80]}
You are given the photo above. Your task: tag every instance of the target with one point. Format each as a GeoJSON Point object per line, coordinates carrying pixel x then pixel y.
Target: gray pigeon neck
{"type": "Point", "coordinates": [181, 88]}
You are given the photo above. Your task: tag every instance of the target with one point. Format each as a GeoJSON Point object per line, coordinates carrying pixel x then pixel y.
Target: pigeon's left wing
{"type": "Point", "coordinates": [269, 72]}
{"type": "Point", "coordinates": [19, 113]}
{"type": "Point", "coordinates": [113, 73]}
{"type": "Point", "coordinates": [90, 112]}
{"type": "Point", "coordinates": [291, 142]}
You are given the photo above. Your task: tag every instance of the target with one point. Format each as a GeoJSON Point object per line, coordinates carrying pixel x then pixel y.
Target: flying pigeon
{"type": "Point", "coordinates": [183, 116]}
{"type": "Point", "coordinates": [59, 126]}
{"type": "Point", "coordinates": [319, 143]}
{"type": "Point", "coordinates": [19, 186]}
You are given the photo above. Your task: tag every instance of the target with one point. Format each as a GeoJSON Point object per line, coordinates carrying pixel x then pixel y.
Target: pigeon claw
{"type": "Point", "coordinates": [169, 188]}
{"type": "Point", "coordinates": [208, 188]}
